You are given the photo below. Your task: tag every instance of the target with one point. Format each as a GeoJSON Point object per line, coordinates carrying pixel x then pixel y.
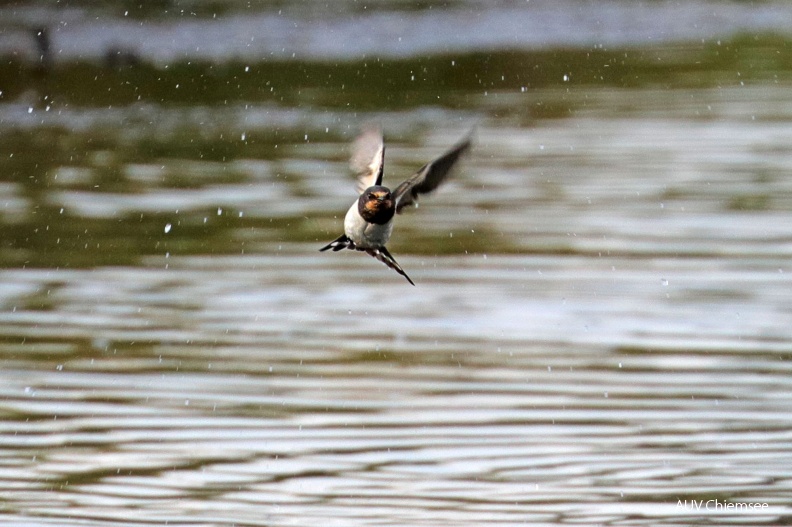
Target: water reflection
{"type": "Point", "coordinates": [546, 390]}
{"type": "Point", "coordinates": [599, 332]}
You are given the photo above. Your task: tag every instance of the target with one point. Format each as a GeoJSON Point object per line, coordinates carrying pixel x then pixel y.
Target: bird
{"type": "Point", "coordinates": [368, 223]}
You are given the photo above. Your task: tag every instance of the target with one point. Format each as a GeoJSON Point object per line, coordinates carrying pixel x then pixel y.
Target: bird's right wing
{"type": "Point", "coordinates": [368, 158]}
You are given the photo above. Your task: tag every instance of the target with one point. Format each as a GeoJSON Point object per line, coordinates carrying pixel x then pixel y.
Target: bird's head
{"type": "Point", "coordinates": [376, 204]}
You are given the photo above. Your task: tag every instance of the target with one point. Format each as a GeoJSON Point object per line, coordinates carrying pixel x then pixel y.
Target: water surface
{"type": "Point", "coordinates": [599, 334]}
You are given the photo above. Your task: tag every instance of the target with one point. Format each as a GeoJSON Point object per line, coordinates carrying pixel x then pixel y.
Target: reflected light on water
{"type": "Point", "coordinates": [599, 333]}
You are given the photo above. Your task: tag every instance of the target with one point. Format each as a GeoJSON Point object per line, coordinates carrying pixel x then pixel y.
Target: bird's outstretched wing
{"type": "Point", "coordinates": [368, 158]}
{"type": "Point", "coordinates": [430, 175]}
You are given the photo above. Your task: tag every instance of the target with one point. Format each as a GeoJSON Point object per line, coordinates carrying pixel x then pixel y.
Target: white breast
{"type": "Point", "coordinates": [365, 235]}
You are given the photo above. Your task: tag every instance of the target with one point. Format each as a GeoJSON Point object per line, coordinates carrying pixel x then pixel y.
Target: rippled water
{"type": "Point", "coordinates": [213, 393]}
{"type": "Point", "coordinates": [599, 334]}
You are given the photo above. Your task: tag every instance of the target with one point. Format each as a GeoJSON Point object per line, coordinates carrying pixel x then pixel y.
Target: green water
{"type": "Point", "coordinates": [84, 128]}
{"type": "Point", "coordinates": [599, 328]}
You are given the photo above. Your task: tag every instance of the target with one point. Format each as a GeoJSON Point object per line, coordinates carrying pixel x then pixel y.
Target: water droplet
{"type": "Point", "coordinates": [664, 282]}
{"type": "Point", "coordinates": [168, 228]}
{"type": "Point", "coordinates": [244, 136]}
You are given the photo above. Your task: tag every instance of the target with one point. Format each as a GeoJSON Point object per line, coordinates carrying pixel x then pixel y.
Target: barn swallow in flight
{"type": "Point", "coordinates": [369, 222]}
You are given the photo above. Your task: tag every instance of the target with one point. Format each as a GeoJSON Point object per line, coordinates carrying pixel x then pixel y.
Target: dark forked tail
{"type": "Point", "coordinates": [381, 254]}
{"type": "Point", "coordinates": [385, 257]}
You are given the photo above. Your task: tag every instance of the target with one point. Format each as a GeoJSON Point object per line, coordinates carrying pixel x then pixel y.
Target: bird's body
{"type": "Point", "coordinates": [368, 223]}
{"type": "Point", "coordinates": [365, 234]}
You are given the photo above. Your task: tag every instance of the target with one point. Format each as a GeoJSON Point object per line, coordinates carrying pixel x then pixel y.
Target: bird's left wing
{"type": "Point", "coordinates": [430, 176]}
{"type": "Point", "coordinates": [368, 158]}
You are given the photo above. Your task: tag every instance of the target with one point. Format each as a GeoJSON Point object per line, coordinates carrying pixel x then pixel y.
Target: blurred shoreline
{"type": "Point", "coordinates": [215, 32]}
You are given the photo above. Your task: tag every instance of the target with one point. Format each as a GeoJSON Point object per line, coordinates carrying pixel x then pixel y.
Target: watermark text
{"type": "Point", "coordinates": [722, 505]}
